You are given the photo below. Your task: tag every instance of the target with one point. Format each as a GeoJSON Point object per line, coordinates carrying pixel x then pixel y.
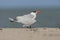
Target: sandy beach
{"type": "Point", "coordinates": [30, 34]}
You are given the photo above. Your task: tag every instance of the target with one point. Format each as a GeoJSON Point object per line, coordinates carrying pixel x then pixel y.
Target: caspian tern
{"type": "Point", "coordinates": [26, 20]}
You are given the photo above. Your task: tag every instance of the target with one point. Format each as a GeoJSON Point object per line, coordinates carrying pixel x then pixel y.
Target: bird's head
{"type": "Point", "coordinates": [37, 12]}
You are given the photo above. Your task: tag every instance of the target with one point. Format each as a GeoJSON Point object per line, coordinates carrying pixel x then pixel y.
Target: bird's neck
{"type": "Point", "coordinates": [34, 15]}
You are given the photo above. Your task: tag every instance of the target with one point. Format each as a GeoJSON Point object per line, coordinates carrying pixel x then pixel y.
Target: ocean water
{"type": "Point", "coordinates": [49, 17]}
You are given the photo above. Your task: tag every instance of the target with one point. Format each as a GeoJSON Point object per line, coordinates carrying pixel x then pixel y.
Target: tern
{"type": "Point", "coordinates": [27, 20]}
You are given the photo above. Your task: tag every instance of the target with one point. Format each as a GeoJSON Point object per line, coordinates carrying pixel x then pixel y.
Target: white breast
{"type": "Point", "coordinates": [34, 15]}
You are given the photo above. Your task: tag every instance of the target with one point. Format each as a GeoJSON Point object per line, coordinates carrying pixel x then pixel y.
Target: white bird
{"type": "Point", "coordinates": [26, 20]}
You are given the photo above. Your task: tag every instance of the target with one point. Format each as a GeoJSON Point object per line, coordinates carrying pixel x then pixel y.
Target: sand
{"type": "Point", "coordinates": [30, 34]}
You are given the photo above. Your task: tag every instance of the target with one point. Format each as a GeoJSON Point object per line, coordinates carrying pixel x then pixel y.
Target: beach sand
{"type": "Point", "coordinates": [30, 34]}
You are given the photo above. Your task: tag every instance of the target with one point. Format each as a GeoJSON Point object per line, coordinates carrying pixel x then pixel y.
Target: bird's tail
{"type": "Point", "coordinates": [11, 20]}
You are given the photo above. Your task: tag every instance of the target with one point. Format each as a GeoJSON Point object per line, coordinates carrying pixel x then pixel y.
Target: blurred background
{"type": "Point", "coordinates": [50, 16]}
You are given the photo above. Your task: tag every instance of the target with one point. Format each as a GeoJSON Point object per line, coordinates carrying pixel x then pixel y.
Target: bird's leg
{"type": "Point", "coordinates": [31, 29]}
{"type": "Point", "coordinates": [28, 26]}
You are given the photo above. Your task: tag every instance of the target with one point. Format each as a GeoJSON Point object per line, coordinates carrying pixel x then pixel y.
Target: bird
{"type": "Point", "coordinates": [27, 20]}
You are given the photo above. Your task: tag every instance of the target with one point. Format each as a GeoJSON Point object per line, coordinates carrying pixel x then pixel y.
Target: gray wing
{"type": "Point", "coordinates": [28, 16]}
{"type": "Point", "coordinates": [25, 18]}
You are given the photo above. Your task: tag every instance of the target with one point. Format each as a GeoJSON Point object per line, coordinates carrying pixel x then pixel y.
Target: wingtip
{"type": "Point", "coordinates": [11, 20]}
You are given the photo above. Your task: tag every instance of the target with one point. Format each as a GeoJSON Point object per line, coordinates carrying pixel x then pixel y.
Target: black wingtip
{"type": "Point", "coordinates": [11, 21]}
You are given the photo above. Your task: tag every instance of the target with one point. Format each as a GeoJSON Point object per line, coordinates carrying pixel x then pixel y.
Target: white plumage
{"type": "Point", "coordinates": [26, 20]}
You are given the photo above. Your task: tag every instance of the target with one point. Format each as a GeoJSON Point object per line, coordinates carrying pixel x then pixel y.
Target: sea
{"type": "Point", "coordinates": [49, 17]}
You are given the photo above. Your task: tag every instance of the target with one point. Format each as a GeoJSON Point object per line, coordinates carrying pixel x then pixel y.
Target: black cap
{"type": "Point", "coordinates": [34, 11]}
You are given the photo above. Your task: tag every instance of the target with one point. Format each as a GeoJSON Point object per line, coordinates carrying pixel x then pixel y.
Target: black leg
{"type": "Point", "coordinates": [28, 27]}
